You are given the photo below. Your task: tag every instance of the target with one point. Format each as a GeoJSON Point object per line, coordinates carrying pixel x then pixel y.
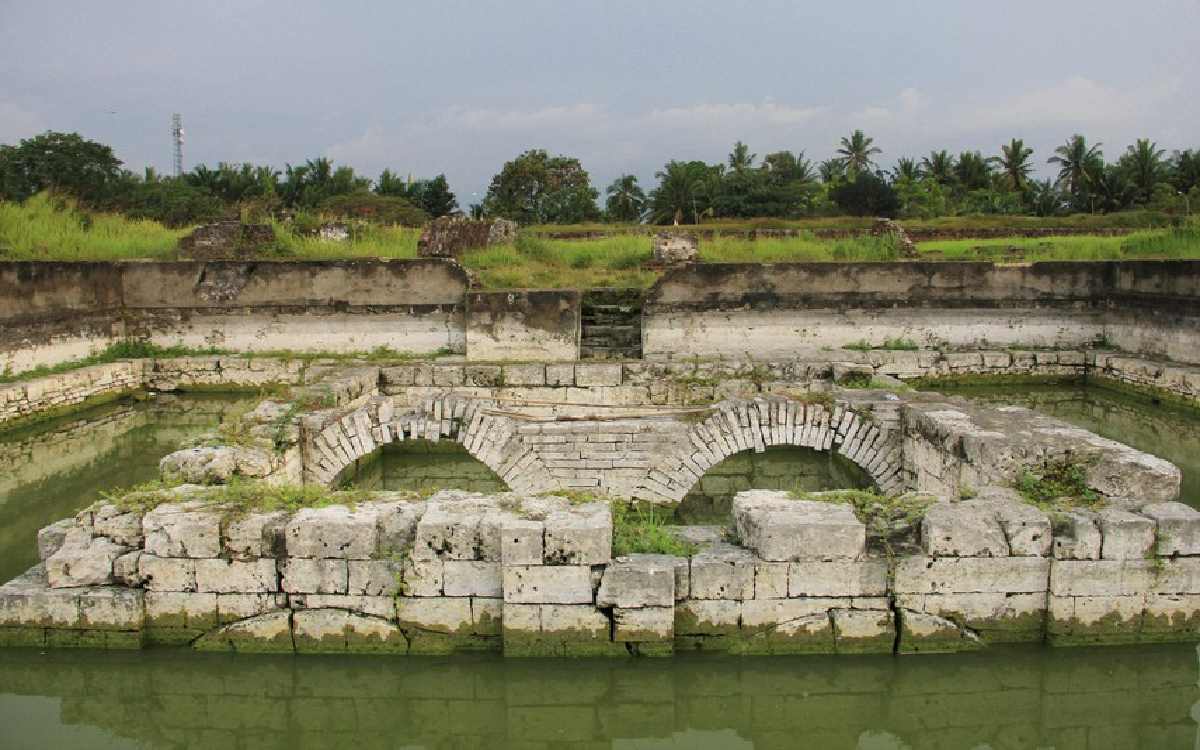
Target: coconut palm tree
{"type": "Point", "coordinates": [857, 151]}
{"type": "Point", "coordinates": [626, 199]}
{"type": "Point", "coordinates": [972, 171]}
{"type": "Point", "coordinates": [907, 169]}
{"type": "Point", "coordinates": [939, 167]}
{"type": "Point", "coordinates": [1014, 164]}
{"type": "Point", "coordinates": [1143, 166]}
{"type": "Point", "coordinates": [1080, 166]}
{"type": "Point", "coordinates": [741, 159]}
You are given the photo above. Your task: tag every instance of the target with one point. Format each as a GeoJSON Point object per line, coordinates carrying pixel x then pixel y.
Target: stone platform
{"type": "Point", "coordinates": [535, 576]}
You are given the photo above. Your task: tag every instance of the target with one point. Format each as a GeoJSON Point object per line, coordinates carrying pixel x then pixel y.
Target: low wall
{"type": "Point", "coordinates": [535, 576]}
{"type": "Point", "coordinates": [731, 310]}
{"type": "Point", "coordinates": [523, 325]}
{"type": "Point", "coordinates": [53, 312]}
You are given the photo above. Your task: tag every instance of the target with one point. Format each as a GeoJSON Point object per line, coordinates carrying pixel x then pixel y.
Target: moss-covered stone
{"type": "Point", "coordinates": [33, 637]}
{"type": "Point", "coordinates": [155, 636]}
{"type": "Point", "coordinates": [426, 643]}
{"type": "Point", "coordinates": [73, 638]}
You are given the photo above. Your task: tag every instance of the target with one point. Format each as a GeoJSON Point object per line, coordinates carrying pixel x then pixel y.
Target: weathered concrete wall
{"type": "Point", "coordinates": [53, 312]}
{"type": "Point", "coordinates": [535, 576]}
{"type": "Point", "coordinates": [729, 310]}
{"type": "Point", "coordinates": [523, 325]}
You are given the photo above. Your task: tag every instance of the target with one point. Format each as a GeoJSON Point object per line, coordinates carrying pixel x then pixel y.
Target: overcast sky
{"type": "Point", "coordinates": [461, 86]}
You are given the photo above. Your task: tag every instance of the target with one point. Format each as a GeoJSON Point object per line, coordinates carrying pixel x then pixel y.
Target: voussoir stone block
{"type": "Point", "coordinates": [1178, 528]}
{"type": "Point", "coordinates": [960, 530]}
{"type": "Point", "coordinates": [638, 581]}
{"type": "Point", "coordinates": [781, 529]}
{"type": "Point", "coordinates": [547, 584]}
{"type": "Point", "coordinates": [333, 532]}
{"type": "Point", "coordinates": [182, 530]}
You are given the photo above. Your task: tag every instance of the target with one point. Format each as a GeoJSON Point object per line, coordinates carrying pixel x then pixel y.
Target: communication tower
{"type": "Point", "coordinates": [177, 132]}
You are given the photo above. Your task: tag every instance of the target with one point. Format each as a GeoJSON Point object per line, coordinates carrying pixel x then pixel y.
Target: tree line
{"type": "Point", "coordinates": [537, 188]}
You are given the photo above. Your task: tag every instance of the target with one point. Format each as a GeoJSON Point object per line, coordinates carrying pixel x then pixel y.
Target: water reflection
{"type": "Point", "coordinates": [53, 469]}
{"type": "Point", "coordinates": [1015, 698]}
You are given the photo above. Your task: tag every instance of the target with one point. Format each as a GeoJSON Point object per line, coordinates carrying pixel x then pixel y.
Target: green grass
{"type": "Point", "coordinates": [114, 352]}
{"type": "Point", "coordinates": [49, 228]}
{"type": "Point", "coordinates": [367, 242]}
{"type": "Point", "coordinates": [645, 528]}
{"type": "Point", "coordinates": [1059, 484]}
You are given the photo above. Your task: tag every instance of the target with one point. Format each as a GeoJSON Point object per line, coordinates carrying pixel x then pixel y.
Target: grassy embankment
{"type": "Point", "coordinates": [45, 228]}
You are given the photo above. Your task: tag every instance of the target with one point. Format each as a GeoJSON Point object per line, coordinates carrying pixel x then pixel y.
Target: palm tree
{"type": "Point", "coordinates": [972, 171]}
{"type": "Point", "coordinates": [832, 170]}
{"type": "Point", "coordinates": [626, 199]}
{"type": "Point", "coordinates": [939, 167]}
{"type": "Point", "coordinates": [741, 159]}
{"type": "Point", "coordinates": [1014, 164]}
{"type": "Point", "coordinates": [682, 191]}
{"type": "Point", "coordinates": [1143, 166]}
{"type": "Point", "coordinates": [1185, 170]}
{"type": "Point", "coordinates": [907, 169]}
{"type": "Point", "coordinates": [857, 152]}
{"type": "Point", "coordinates": [1079, 168]}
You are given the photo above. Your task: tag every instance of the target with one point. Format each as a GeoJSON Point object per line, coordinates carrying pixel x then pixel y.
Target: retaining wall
{"type": "Point", "coordinates": [535, 576]}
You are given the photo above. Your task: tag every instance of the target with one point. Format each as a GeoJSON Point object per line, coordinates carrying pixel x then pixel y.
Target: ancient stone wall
{"type": "Point", "coordinates": [523, 325]}
{"type": "Point", "coordinates": [535, 576]}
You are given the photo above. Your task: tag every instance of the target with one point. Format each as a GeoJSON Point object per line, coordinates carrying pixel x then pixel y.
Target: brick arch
{"type": "Point", "coordinates": [490, 438]}
{"type": "Point", "coordinates": [737, 426]}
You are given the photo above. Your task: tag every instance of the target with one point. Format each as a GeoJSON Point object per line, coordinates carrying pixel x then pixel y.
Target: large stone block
{"type": "Point", "coordinates": [112, 608]}
{"type": "Point", "coordinates": [810, 634]}
{"type": "Point", "coordinates": [1026, 528]}
{"type": "Point", "coordinates": [27, 601]}
{"type": "Point", "coordinates": [79, 565]}
{"type": "Point", "coordinates": [422, 578]}
{"type": "Point", "coordinates": [723, 571]}
{"type": "Point", "coordinates": [1095, 619]}
{"type": "Point", "coordinates": [435, 614]}
{"type": "Point", "coordinates": [715, 617]}
{"type": "Point", "coordinates": [174, 530]}
{"type": "Point", "coordinates": [781, 529]}
{"type": "Point", "coordinates": [305, 575]}
{"type": "Point", "coordinates": [1099, 578]}
{"type": "Point", "coordinates": [50, 539]}
{"type": "Point", "coordinates": [266, 633]}
{"type": "Point", "coordinates": [237, 577]}
{"type": "Point", "coordinates": [961, 530]}
{"type": "Point", "coordinates": [999, 617]}
{"type": "Point", "coordinates": [867, 577]}
{"type": "Point", "coordinates": [1079, 537]}
{"type": "Point", "coordinates": [373, 577]}
{"type": "Point", "coordinates": [639, 581]}
{"type": "Point", "coordinates": [459, 528]}
{"type": "Point", "coordinates": [334, 532]}
{"type": "Point", "coordinates": [178, 609]}
{"type": "Point", "coordinates": [122, 526]}
{"type": "Point", "coordinates": [167, 573]}
{"type": "Point", "coordinates": [522, 541]}
{"type": "Point", "coordinates": [255, 535]}
{"type": "Point", "coordinates": [545, 584]}
{"type": "Point", "coordinates": [472, 578]}
{"type": "Point", "coordinates": [923, 633]}
{"type": "Point", "coordinates": [579, 535]}
{"type": "Point", "coordinates": [397, 522]}
{"type": "Point", "coordinates": [858, 631]}
{"type": "Point", "coordinates": [958, 575]}
{"type": "Point", "coordinates": [376, 606]}
{"type": "Point", "coordinates": [1178, 528]}
{"type": "Point", "coordinates": [644, 624]}
{"type": "Point", "coordinates": [1126, 535]}
{"type": "Point", "coordinates": [336, 630]}
{"type": "Point", "coordinates": [234, 607]}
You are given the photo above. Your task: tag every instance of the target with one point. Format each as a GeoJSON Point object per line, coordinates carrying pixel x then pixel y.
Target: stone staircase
{"type": "Point", "coordinates": [611, 324]}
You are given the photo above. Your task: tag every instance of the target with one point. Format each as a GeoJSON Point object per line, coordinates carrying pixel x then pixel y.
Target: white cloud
{"type": "Point", "coordinates": [1076, 103]}
{"type": "Point", "coordinates": [17, 123]}
{"type": "Point", "coordinates": [373, 145]}
{"type": "Point", "coordinates": [908, 107]}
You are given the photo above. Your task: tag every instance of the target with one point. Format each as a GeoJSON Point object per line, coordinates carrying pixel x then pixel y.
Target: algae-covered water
{"type": "Point", "coordinates": [1031, 697]}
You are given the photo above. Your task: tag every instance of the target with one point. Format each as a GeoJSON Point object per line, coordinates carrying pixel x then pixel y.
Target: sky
{"type": "Point", "coordinates": [459, 87]}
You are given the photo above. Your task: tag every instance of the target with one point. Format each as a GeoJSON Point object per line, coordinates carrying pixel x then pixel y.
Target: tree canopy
{"type": "Point", "coordinates": [536, 188]}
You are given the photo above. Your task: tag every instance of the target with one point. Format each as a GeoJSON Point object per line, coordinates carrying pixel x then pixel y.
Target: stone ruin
{"type": "Point", "coordinates": [451, 236]}
{"type": "Point", "coordinates": [334, 231]}
{"type": "Point", "coordinates": [227, 240]}
{"type": "Point", "coordinates": [905, 247]}
{"type": "Point", "coordinates": [675, 247]}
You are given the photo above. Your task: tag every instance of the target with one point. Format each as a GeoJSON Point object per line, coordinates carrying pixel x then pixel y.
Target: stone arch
{"type": "Point", "coordinates": [737, 426]}
{"type": "Point", "coordinates": [334, 446]}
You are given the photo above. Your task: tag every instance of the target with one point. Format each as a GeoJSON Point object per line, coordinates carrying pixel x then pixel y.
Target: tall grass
{"type": "Point", "coordinates": [366, 242]}
{"type": "Point", "coordinates": [46, 227]}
